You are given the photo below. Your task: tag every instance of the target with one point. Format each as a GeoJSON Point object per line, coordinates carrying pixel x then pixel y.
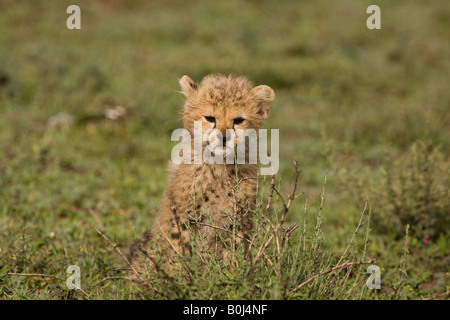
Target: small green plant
{"type": "Point", "coordinates": [402, 289]}
{"type": "Point", "coordinates": [411, 190]}
{"type": "Point", "coordinates": [276, 264]}
{"type": "Point", "coordinates": [417, 190]}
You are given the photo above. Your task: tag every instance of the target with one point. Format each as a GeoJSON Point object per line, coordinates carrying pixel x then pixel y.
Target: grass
{"type": "Point", "coordinates": [351, 103]}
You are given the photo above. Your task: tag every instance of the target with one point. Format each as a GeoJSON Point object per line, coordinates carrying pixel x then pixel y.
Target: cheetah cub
{"type": "Point", "coordinates": [202, 197]}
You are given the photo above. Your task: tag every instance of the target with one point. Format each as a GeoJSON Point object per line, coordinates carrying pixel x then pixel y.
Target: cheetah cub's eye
{"type": "Point", "coordinates": [238, 120]}
{"type": "Point", "coordinates": [210, 119]}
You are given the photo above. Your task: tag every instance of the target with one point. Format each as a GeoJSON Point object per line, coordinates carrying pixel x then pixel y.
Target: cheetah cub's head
{"type": "Point", "coordinates": [226, 107]}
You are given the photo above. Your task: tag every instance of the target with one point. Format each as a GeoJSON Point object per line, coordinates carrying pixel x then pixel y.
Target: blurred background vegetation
{"type": "Point", "coordinates": [86, 117]}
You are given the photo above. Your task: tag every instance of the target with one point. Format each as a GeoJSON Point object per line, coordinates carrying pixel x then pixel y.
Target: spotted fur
{"type": "Point", "coordinates": [200, 195]}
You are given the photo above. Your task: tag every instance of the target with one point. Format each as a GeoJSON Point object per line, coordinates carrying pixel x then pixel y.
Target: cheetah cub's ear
{"type": "Point", "coordinates": [264, 97]}
{"type": "Point", "coordinates": [188, 86]}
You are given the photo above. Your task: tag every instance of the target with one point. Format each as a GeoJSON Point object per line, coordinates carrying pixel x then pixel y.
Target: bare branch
{"type": "Point", "coordinates": [338, 267]}
{"type": "Point", "coordinates": [45, 276]}
{"type": "Point", "coordinates": [114, 245]}
{"type": "Point", "coordinates": [111, 278]}
{"type": "Point", "coordinates": [436, 296]}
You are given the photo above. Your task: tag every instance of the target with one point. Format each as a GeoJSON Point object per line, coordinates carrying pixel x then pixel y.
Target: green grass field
{"type": "Point", "coordinates": [368, 109]}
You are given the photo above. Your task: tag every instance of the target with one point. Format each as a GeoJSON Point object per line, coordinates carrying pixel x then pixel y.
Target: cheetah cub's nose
{"type": "Point", "coordinates": [227, 137]}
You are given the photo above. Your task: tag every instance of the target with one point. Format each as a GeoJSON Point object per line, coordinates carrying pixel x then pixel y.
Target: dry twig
{"type": "Point", "coordinates": [338, 267]}
{"type": "Point", "coordinates": [45, 276]}
{"type": "Point", "coordinates": [115, 246]}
